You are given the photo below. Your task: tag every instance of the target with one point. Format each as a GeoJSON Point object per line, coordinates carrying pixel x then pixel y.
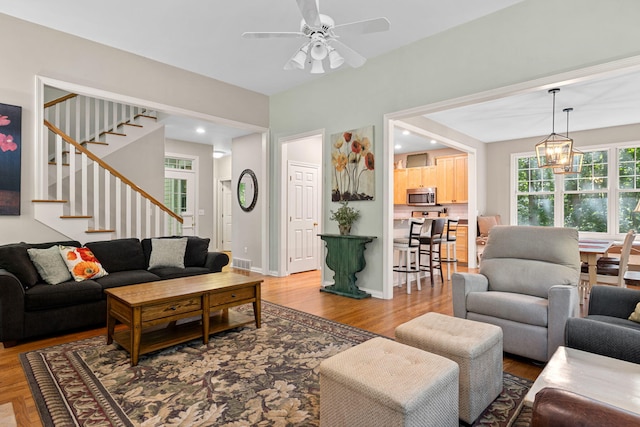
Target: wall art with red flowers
{"type": "Point", "coordinates": [352, 159]}
{"type": "Point", "coordinates": [10, 149]}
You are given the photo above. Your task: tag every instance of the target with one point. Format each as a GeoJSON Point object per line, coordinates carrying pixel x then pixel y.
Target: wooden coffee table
{"type": "Point", "coordinates": [155, 312]}
{"type": "Point", "coordinates": [608, 380]}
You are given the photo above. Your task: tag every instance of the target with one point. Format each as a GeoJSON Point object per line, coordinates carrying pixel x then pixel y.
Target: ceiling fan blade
{"type": "Point", "coordinates": [278, 34]}
{"type": "Point", "coordinates": [310, 13]}
{"type": "Point", "coordinates": [352, 57]}
{"type": "Point", "coordinates": [363, 27]}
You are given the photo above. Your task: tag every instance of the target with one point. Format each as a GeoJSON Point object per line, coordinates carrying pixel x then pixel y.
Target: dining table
{"type": "Point", "coordinates": [590, 251]}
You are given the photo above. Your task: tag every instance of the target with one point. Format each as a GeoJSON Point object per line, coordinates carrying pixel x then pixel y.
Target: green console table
{"type": "Point", "coordinates": [345, 256]}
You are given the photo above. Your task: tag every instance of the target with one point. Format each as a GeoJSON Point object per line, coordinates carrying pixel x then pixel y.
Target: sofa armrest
{"type": "Point", "coordinates": [603, 338]}
{"type": "Point", "coordinates": [613, 301]}
{"type": "Point", "coordinates": [11, 307]}
{"type": "Point", "coordinates": [563, 304]}
{"type": "Point", "coordinates": [215, 261]}
{"type": "Point", "coordinates": [461, 285]}
{"type": "Point", "coordinates": [562, 408]}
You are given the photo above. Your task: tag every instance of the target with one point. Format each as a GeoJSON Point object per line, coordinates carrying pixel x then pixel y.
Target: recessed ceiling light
{"type": "Point", "coordinates": [218, 154]}
{"type": "Point", "coordinates": [433, 141]}
{"type": "Point", "coordinates": [200, 130]}
{"type": "Point", "coordinates": [398, 146]}
{"type": "Point", "coordinates": [406, 132]}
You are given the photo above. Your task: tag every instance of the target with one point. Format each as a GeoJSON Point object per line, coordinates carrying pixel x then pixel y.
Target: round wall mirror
{"type": "Point", "coordinates": [247, 190]}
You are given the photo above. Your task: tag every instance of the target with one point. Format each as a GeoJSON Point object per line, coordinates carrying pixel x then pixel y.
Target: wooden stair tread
{"type": "Point", "coordinates": [131, 124]}
{"type": "Point", "coordinates": [100, 231]}
{"type": "Point", "coordinates": [55, 163]}
{"type": "Point", "coordinates": [49, 201]}
{"type": "Point", "coordinates": [75, 216]}
{"type": "Point", "coordinates": [93, 142]}
{"type": "Point", "coordinates": [144, 115]}
{"type": "Point", "coordinates": [113, 133]}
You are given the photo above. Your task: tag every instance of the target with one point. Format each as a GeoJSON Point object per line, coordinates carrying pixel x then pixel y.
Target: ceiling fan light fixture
{"type": "Point", "coordinates": [319, 51]}
{"type": "Point", "coordinates": [335, 59]}
{"type": "Point", "coordinates": [316, 67]}
{"type": "Point", "coordinates": [298, 60]}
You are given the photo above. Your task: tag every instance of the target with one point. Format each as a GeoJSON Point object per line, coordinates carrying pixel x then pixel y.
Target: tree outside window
{"type": "Point", "coordinates": [535, 193]}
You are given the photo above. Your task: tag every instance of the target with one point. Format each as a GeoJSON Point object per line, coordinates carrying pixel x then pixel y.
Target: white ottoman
{"type": "Point", "coordinates": [476, 347]}
{"type": "Point", "coordinates": [384, 383]}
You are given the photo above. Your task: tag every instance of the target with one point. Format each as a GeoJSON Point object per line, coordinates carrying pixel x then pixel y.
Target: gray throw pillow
{"type": "Point", "coordinates": [167, 253]}
{"type": "Point", "coordinates": [50, 265]}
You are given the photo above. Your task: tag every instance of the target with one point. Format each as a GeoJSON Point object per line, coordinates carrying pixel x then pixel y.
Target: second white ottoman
{"type": "Point", "coordinates": [476, 347]}
{"type": "Point", "coordinates": [384, 383]}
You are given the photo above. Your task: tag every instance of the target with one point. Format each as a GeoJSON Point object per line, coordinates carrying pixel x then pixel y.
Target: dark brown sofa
{"type": "Point", "coordinates": [29, 307]}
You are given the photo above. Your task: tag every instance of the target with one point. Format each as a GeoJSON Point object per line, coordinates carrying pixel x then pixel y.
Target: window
{"type": "Point", "coordinates": [535, 193]}
{"type": "Point", "coordinates": [174, 163]}
{"type": "Point", "coordinates": [600, 199]}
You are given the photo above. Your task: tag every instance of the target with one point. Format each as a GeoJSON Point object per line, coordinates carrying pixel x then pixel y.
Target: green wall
{"type": "Point", "coordinates": [530, 40]}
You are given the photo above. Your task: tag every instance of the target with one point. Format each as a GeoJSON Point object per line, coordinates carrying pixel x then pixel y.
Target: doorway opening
{"type": "Point", "coordinates": [180, 190]}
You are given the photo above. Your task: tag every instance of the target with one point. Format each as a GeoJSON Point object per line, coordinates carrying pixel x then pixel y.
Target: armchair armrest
{"type": "Point", "coordinates": [461, 285]}
{"type": "Point", "coordinates": [215, 261]}
{"type": "Point", "coordinates": [563, 305]}
{"type": "Point", "coordinates": [613, 301]}
{"type": "Point", "coordinates": [603, 338]}
{"type": "Point", "coordinates": [11, 307]}
{"type": "Point", "coordinates": [561, 408]}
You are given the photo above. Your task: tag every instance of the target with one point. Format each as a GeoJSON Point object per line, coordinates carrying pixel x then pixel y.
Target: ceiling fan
{"type": "Point", "coordinates": [322, 35]}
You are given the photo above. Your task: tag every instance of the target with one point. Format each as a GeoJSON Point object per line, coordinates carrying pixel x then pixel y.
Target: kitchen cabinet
{"type": "Point", "coordinates": [399, 186]}
{"type": "Point", "coordinates": [403, 179]}
{"type": "Point", "coordinates": [451, 179]}
{"type": "Point", "coordinates": [462, 236]}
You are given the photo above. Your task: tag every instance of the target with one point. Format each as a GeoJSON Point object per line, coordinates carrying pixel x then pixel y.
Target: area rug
{"type": "Point", "coordinates": [243, 377]}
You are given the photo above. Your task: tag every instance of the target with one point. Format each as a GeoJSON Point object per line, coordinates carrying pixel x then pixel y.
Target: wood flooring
{"type": "Point", "coordinates": [299, 291]}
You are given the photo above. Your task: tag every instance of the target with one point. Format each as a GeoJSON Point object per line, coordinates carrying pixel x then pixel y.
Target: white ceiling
{"type": "Point", "coordinates": [205, 37]}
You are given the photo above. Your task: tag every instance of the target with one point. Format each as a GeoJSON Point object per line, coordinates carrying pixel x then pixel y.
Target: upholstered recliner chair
{"type": "Point", "coordinates": [527, 285]}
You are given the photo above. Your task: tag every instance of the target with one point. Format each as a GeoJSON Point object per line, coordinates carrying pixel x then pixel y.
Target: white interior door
{"type": "Point", "coordinates": [303, 212]}
{"type": "Point", "coordinates": [180, 197]}
{"type": "Point", "coordinates": [227, 200]}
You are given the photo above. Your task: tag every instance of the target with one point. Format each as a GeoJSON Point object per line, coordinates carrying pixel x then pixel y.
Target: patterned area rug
{"type": "Point", "coordinates": [243, 377]}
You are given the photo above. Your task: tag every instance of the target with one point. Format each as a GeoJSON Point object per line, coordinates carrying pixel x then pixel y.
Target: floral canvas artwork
{"type": "Point", "coordinates": [10, 149]}
{"type": "Point", "coordinates": [353, 161]}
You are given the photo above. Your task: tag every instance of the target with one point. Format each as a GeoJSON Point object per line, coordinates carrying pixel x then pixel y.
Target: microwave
{"type": "Point", "coordinates": [423, 196]}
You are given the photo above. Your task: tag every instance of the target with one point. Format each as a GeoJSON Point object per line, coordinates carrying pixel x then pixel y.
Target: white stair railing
{"type": "Point", "coordinates": [95, 191]}
{"type": "Point", "coordinates": [87, 119]}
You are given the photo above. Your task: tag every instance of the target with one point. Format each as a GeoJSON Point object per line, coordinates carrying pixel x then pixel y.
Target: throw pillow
{"type": "Point", "coordinates": [50, 264]}
{"type": "Point", "coordinates": [167, 253]}
{"type": "Point", "coordinates": [635, 316]}
{"type": "Point", "coordinates": [82, 264]}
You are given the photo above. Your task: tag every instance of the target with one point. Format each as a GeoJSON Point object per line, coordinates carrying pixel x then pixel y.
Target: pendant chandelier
{"type": "Point", "coordinates": [555, 150]}
{"type": "Point", "coordinates": [575, 161]}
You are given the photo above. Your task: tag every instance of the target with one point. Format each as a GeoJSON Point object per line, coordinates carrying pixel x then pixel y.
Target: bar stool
{"type": "Point", "coordinates": [449, 241]}
{"type": "Point", "coordinates": [430, 249]}
{"type": "Point", "coordinates": [407, 247]}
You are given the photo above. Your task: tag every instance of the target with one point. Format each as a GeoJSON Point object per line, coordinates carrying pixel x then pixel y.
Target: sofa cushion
{"type": "Point", "coordinates": [173, 272]}
{"type": "Point", "coordinates": [195, 254]}
{"type": "Point", "coordinates": [511, 306]}
{"type": "Point", "coordinates": [615, 321]}
{"type": "Point", "coordinates": [15, 259]}
{"type": "Point", "coordinates": [42, 296]}
{"type": "Point", "coordinates": [50, 265]}
{"type": "Point", "coordinates": [119, 254]}
{"type": "Point", "coordinates": [122, 278]}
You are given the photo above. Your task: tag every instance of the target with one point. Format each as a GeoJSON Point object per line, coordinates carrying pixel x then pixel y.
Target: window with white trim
{"type": "Point", "coordinates": [600, 199]}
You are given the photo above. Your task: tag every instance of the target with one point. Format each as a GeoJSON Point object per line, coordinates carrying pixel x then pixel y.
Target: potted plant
{"type": "Point", "coordinates": [345, 216]}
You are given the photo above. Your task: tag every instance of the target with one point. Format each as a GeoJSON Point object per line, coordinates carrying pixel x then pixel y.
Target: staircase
{"type": "Point", "coordinates": [78, 192]}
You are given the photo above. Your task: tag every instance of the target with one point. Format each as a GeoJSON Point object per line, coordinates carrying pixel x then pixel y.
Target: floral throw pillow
{"type": "Point", "coordinates": [82, 264]}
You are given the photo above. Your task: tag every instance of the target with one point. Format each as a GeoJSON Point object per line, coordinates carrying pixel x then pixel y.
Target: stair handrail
{"type": "Point", "coordinates": [60, 100]}
{"type": "Point", "coordinates": [111, 170]}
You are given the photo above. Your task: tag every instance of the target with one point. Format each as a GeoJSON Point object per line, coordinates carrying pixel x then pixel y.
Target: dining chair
{"type": "Point", "coordinates": [430, 249]}
{"type": "Point", "coordinates": [609, 273]}
{"type": "Point", "coordinates": [408, 249]}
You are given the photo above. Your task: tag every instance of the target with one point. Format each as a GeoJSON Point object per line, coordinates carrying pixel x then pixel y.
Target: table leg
{"type": "Point", "coordinates": [205, 318]}
{"type": "Point", "coordinates": [257, 307]}
{"type": "Point", "coordinates": [593, 276]}
{"type": "Point", "coordinates": [111, 322]}
{"type": "Point", "coordinates": [136, 333]}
